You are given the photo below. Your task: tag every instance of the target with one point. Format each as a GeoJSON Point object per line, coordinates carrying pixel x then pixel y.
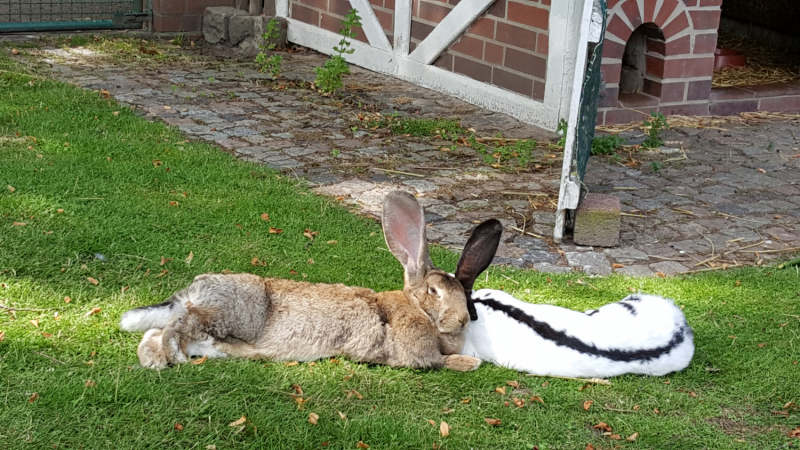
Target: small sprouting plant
{"type": "Point", "coordinates": [655, 124]}
{"type": "Point", "coordinates": [655, 166]}
{"type": "Point", "coordinates": [563, 126]}
{"type": "Point", "coordinates": [606, 145]}
{"type": "Point", "coordinates": [78, 41]}
{"type": "Point", "coordinates": [210, 79]}
{"type": "Point", "coordinates": [272, 63]}
{"type": "Point", "coordinates": [174, 88]}
{"type": "Point", "coordinates": [329, 76]}
{"type": "Point", "coordinates": [178, 40]}
{"type": "Point", "coordinates": [231, 95]}
{"type": "Point", "coordinates": [335, 153]}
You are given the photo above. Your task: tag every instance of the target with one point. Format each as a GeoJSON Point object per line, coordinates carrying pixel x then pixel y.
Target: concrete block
{"type": "Point", "coordinates": [597, 221]}
{"type": "Point", "coordinates": [216, 20]}
{"type": "Point", "coordinates": [241, 28]}
{"type": "Point", "coordinates": [247, 32]}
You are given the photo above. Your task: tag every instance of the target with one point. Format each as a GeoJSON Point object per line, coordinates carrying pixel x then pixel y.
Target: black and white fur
{"type": "Point", "coordinates": [640, 334]}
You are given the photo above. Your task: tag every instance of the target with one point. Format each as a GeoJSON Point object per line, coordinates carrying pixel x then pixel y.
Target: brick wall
{"type": "Point", "coordinates": [182, 15]}
{"type": "Point", "coordinates": [506, 47]}
{"type": "Point", "coordinates": [681, 36]}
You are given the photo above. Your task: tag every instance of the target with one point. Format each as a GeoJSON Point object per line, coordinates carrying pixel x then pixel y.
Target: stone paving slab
{"type": "Point", "coordinates": [735, 187]}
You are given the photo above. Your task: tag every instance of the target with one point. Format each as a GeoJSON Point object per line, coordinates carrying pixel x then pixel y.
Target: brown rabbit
{"type": "Point", "coordinates": [248, 316]}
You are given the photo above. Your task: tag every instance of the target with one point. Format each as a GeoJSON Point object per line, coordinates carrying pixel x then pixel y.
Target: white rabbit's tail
{"type": "Point", "coordinates": [152, 316]}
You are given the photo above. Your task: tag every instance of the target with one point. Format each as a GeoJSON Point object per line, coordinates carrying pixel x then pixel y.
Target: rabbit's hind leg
{"type": "Point", "coordinates": [184, 330]}
{"type": "Point", "coordinates": [151, 351]}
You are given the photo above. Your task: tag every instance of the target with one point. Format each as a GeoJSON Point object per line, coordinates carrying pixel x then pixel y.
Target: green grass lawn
{"type": "Point", "coordinates": [96, 192]}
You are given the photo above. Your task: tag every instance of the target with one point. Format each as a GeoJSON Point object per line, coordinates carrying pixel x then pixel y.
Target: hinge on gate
{"type": "Point", "coordinates": [596, 25]}
{"type": "Point", "coordinates": [130, 19]}
{"type": "Point", "coordinates": [572, 193]}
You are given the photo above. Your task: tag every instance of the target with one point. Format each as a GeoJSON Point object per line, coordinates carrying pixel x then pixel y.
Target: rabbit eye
{"type": "Point", "coordinates": [433, 291]}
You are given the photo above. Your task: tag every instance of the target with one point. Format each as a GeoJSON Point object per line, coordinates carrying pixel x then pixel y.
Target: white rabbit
{"type": "Point", "coordinates": [640, 334]}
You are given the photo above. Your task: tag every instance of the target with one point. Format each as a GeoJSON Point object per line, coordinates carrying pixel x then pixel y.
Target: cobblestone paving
{"type": "Point", "coordinates": [730, 196]}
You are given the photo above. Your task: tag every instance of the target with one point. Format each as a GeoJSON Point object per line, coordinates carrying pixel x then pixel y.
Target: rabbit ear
{"type": "Point", "coordinates": [404, 229]}
{"type": "Point", "coordinates": [476, 257]}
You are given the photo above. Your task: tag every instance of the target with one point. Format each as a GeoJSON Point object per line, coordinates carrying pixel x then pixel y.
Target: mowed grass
{"type": "Point", "coordinates": [134, 192]}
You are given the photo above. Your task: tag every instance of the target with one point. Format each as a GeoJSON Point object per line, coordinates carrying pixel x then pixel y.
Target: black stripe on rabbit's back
{"type": "Point", "coordinates": [561, 338]}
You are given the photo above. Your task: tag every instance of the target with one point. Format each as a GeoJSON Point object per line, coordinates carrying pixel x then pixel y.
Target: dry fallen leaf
{"type": "Point", "coordinates": [265, 216]}
{"type": "Point", "coordinates": [35, 322]}
{"type": "Point", "coordinates": [762, 345]}
{"type": "Point", "coordinates": [2, 335]}
{"type": "Point", "coordinates": [466, 400]}
{"type": "Point", "coordinates": [615, 437]}
{"type": "Point", "coordinates": [165, 260]}
{"type": "Point", "coordinates": [90, 383]}
{"type": "Point", "coordinates": [92, 280]}
{"type": "Point", "coordinates": [178, 427]}
{"type": "Point", "coordinates": [273, 230]}
{"type": "Point", "coordinates": [291, 363]}
{"type": "Point", "coordinates": [297, 389]}
{"type": "Point", "coordinates": [11, 188]}
{"type": "Point", "coordinates": [354, 393]}
{"type": "Point", "coordinates": [94, 311]}
{"type": "Point", "coordinates": [794, 433]}
{"type": "Point", "coordinates": [236, 423]}
{"type": "Point", "coordinates": [762, 170]}
{"type": "Point", "coordinates": [14, 51]}
{"type": "Point", "coordinates": [444, 429]}
{"type": "Point", "coordinates": [602, 426]}
{"type": "Point", "coordinates": [500, 390]}
{"type": "Point", "coordinates": [199, 361]}
{"type": "Point", "coordinates": [587, 404]}
{"type": "Point", "coordinates": [299, 399]}
{"type": "Point", "coordinates": [19, 224]}
{"type": "Point", "coordinates": [693, 394]}
{"type": "Point", "coordinates": [163, 272]}
{"type": "Point", "coordinates": [310, 234]}
{"type": "Point", "coordinates": [115, 113]}
{"type": "Point", "coordinates": [493, 422]}
{"type": "Point", "coordinates": [157, 162]}
{"type": "Point", "coordinates": [536, 398]}
{"type": "Point", "coordinates": [313, 418]}
{"type": "Point", "coordinates": [361, 445]}
{"type": "Point", "coordinates": [190, 257]}
{"type": "Point", "coordinates": [589, 447]}
{"type": "Point", "coordinates": [617, 266]}
{"type": "Point", "coordinates": [342, 415]}
{"type": "Point", "coordinates": [632, 437]}
{"type": "Point", "coordinates": [656, 410]}
{"type": "Point", "coordinates": [431, 422]}
{"type": "Point", "coordinates": [33, 397]}
{"type": "Point", "coordinates": [47, 335]}
{"type": "Point", "coordinates": [174, 203]}
{"type": "Point", "coordinates": [332, 242]}
{"type": "Point", "coordinates": [67, 299]}
{"type": "Point", "coordinates": [513, 384]}
{"type": "Point", "coordinates": [636, 407]}
{"type": "Point", "coordinates": [519, 403]}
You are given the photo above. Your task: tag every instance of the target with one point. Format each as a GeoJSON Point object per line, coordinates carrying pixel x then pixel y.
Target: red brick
{"type": "Point", "coordinates": [306, 15]}
{"type": "Point", "coordinates": [649, 11]}
{"type": "Point", "coordinates": [666, 10]}
{"type": "Point", "coordinates": [493, 53]}
{"type": "Point", "coordinates": [710, 2]}
{"type": "Point", "coordinates": [705, 43]}
{"type": "Point", "coordinates": [733, 107]}
{"type": "Point", "coordinates": [339, 7]}
{"type": "Point", "coordinates": [454, 2]}
{"type": "Point", "coordinates": [542, 44]}
{"type": "Point", "coordinates": [513, 82]}
{"type": "Point", "coordinates": [528, 15]}
{"type": "Point", "coordinates": [705, 19]}
{"type": "Point", "coordinates": [516, 36]}
{"type": "Point", "coordinates": [498, 9]}
{"type": "Point", "coordinates": [191, 22]}
{"type": "Point", "coordinates": [609, 97]}
{"type": "Point", "coordinates": [538, 89]}
{"type": "Point", "coordinates": [389, 4]}
{"type": "Point", "coordinates": [616, 116]}
{"type": "Point", "coordinates": [689, 67]}
{"type": "Point", "coordinates": [483, 27]}
{"type": "Point", "coordinates": [672, 92]}
{"type": "Point", "coordinates": [171, 7]}
{"type": "Point", "coordinates": [445, 61]}
{"type": "Point", "coordinates": [774, 90]}
{"type": "Point", "coordinates": [654, 66]}
{"type": "Point", "coordinates": [376, 2]}
{"type": "Point", "coordinates": [619, 29]}
{"type": "Point", "coordinates": [612, 3]}
{"type": "Point", "coordinates": [613, 49]}
{"type": "Point", "coordinates": [631, 10]}
{"type": "Point", "coordinates": [780, 104]}
{"type": "Point", "coordinates": [162, 23]}
{"type": "Point", "coordinates": [601, 118]}
{"type": "Point", "coordinates": [680, 46]}
{"type": "Point", "coordinates": [690, 3]}
{"type": "Point", "coordinates": [545, 2]}
{"type": "Point", "coordinates": [420, 30]}
{"type": "Point", "coordinates": [611, 72]}
{"type": "Point", "coordinates": [156, 5]}
{"type": "Point", "coordinates": [696, 109]}
{"type": "Point", "coordinates": [730, 93]}
{"type": "Point", "coordinates": [333, 23]}
{"type": "Point", "coordinates": [637, 100]}
{"type": "Point", "coordinates": [526, 63]}
{"type": "Point", "coordinates": [385, 19]}
{"type": "Point", "coordinates": [678, 24]}
{"type": "Point", "coordinates": [475, 70]}
{"type": "Point", "coordinates": [199, 6]}
{"type": "Point", "coordinates": [415, 8]}
{"type": "Point", "coordinates": [432, 12]}
{"type": "Point", "coordinates": [699, 90]}
{"type": "Point", "coordinates": [469, 46]}
{"type": "Point", "coordinates": [655, 46]}
{"type": "Point", "coordinates": [319, 4]}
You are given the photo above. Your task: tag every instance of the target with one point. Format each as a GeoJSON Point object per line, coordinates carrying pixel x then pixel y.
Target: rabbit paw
{"type": "Point", "coordinates": [151, 353]}
{"type": "Point", "coordinates": [461, 363]}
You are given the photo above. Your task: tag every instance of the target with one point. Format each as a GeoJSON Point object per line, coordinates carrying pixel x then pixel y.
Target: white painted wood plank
{"type": "Point", "coordinates": [449, 29]}
{"type": "Point", "coordinates": [282, 8]}
{"type": "Point", "coordinates": [370, 24]}
{"type": "Point", "coordinates": [402, 26]}
{"type": "Point", "coordinates": [472, 91]}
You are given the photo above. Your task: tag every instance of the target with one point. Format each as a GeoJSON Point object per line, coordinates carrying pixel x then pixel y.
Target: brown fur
{"type": "Point", "coordinates": [248, 316]}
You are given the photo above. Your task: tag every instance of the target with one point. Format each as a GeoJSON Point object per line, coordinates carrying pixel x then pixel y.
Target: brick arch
{"type": "Point", "coordinates": [672, 16]}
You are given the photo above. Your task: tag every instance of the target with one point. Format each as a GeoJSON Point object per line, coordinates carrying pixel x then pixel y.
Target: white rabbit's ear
{"type": "Point", "coordinates": [404, 229]}
{"type": "Point", "coordinates": [477, 255]}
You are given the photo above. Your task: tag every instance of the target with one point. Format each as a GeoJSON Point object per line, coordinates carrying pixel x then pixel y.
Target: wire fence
{"type": "Point", "coordinates": [29, 11]}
